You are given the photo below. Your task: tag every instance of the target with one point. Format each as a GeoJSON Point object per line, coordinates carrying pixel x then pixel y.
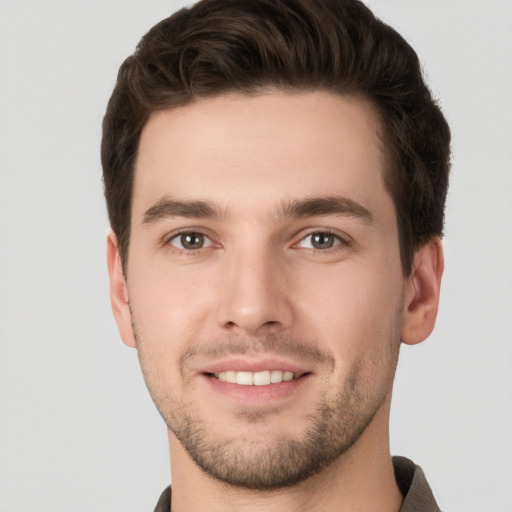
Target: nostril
{"type": "Point", "coordinates": [252, 323]}
{"type": "Point", "coordinates": [270, 325]}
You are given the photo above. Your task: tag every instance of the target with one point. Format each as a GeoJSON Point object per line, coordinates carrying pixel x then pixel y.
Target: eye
{"type": "Point", "coordinates": [190, 241]}
{"type": "Point", "coordinates": [320, 240]}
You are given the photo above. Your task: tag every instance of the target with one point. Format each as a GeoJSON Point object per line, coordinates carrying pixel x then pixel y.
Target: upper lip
{"type": "Point", "coordinates": [252, 365]}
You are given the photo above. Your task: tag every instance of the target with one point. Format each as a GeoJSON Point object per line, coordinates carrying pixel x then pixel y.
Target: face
{"type": "Point", "coordinates": [264, 282]}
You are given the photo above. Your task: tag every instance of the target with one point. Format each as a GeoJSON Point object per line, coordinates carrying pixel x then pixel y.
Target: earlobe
{"type": "Point", "coordinates": [119, 291]}
{"type": "Point", "coordinates": [422, 293]}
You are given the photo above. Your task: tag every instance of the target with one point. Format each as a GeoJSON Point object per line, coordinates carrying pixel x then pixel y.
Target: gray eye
{"type": "Point", "coordinates": [322, 240]}
{"type": "Point", "coordinates": [190, 241]}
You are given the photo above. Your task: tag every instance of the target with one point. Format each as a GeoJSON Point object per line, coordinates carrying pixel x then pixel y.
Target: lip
{"type": "Point", "coordinates": [248, 365]}
{"type": "Point", "coordinates": [247, 396]}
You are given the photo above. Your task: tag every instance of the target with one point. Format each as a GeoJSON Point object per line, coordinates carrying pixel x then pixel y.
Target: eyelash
{"type": "Point", "coordinates": [183, 251]}
{"type": "Point", "coordinates": [339, 243]}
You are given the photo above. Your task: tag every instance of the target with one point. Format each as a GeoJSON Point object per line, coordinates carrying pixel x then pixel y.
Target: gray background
{"type": "Point", "coordinates": [77, 428]}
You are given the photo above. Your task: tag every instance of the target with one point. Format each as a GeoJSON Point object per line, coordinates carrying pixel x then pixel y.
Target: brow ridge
{"type": "Point", "coordinates": [166, 208]}
{"type": "Point", "coordinates": [327, 205]}
{"type": "Point", "coordinates": [297, 208]}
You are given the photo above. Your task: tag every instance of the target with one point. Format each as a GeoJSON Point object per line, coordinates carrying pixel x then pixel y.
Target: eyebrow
{"type": "Point", "coordinates": [166, 208]}
{"type": "Point", "coordinates": [329, 205]}
{"type": "Point", "coordinates": [298, 208]}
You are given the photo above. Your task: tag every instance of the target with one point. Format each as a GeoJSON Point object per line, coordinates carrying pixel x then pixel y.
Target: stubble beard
{"type": "Point", "coordinates": [272, 464]}
{"type": "Point", "coordinates": [262, 464]}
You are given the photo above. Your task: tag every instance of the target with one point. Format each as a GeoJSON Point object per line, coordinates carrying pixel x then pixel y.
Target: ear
{"type": "Point", "coordinates": [422, 293]}
{"type": "Point", "coordinates": [119, 291]}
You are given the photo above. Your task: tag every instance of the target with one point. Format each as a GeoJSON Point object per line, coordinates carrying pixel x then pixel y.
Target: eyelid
{"type": "Point", "coordinates": [343, 239]}
{"type": "Point", "coordinates": [167, 239]}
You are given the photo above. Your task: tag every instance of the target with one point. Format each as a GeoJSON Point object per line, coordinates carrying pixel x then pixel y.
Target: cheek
{"type": "Point", "coordinates": [167, 313]}
{"type": "Point", "coordinates": [169, 305]}
{"type": "Point", "coordinates": [353, 308]}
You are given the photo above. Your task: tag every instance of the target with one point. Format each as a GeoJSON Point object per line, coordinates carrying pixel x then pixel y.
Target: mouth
{"type": "Point", "coordinates": [260, 378]}
{"type": "Point", "coordinates": [254, 381]}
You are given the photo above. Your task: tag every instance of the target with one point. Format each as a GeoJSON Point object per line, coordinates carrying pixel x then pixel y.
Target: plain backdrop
{"type": "Point", "coordinates": [78, 430]}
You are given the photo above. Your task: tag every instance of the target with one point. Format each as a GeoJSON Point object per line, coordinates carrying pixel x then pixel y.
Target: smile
{"type": "Point", "coordinates": [254, 383]}
{"type": "Point", "coordinates": [263, 378]}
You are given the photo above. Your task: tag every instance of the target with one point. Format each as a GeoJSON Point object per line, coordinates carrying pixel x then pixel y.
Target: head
{"type": "Point", "coordinates": [222, 46]}
{"type": "Point", "coordinates": [275, 175]}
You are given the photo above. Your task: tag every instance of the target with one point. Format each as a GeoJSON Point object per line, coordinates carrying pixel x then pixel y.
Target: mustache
{"type": "Point", "coordinates": [272, 344]}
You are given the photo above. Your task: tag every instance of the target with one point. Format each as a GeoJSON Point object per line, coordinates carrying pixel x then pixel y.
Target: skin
{"type": "Point", "coordinates": [241, 172]}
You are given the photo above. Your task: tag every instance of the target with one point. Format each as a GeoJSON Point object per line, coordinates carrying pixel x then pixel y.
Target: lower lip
{"type": "Point", "coordinates": [254, 395]}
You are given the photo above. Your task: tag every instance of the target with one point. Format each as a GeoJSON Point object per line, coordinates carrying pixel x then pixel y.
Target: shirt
{"type": "Point", "coordinates": [410, 478]}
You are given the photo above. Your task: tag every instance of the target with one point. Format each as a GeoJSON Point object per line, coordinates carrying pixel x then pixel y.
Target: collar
{"type": "Point", "coordinates": [410, 478]}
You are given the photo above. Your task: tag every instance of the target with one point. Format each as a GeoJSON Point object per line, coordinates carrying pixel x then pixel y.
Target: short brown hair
{"type": "Point", "coordinates": [220, 46]}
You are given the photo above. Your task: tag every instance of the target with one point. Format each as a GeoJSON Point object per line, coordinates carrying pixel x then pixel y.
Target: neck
{"type": "Point", "coordinates": [361, 479]}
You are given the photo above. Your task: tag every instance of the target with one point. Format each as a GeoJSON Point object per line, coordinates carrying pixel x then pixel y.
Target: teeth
{"type": "Point", "coordinates": [244, 378]}
{"type": "Point", "coordinates": [261, 378]}
{"type": "Point", "coordinates": [276, 376]}
{"type": "Point", "coordinates": [287, 376]}
{"type": "Point", "coordinates": [255, 378]}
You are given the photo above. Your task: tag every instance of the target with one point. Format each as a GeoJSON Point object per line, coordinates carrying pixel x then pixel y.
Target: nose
{"type": "Point", "coordinates": [254, 299]}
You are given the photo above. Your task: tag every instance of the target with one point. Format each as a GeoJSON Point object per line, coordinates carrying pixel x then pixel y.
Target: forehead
{"type": "Point", "coordinates": [254, 151]}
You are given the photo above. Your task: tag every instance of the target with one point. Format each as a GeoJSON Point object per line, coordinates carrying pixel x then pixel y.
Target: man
{"type": "Point", "coordinates": [275, 175]}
